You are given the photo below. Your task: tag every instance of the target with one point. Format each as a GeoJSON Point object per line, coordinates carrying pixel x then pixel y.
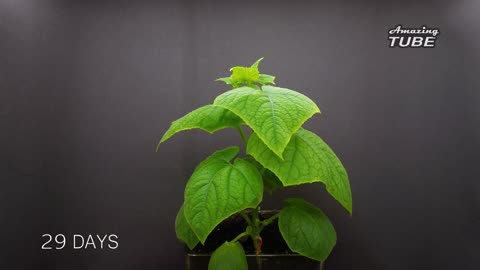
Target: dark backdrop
{"type": "Point", "coordinates": [88, 87]}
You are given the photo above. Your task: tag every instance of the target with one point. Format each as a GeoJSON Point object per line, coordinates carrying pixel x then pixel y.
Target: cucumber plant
{"type": "Point", "coordinates": [279, 153]}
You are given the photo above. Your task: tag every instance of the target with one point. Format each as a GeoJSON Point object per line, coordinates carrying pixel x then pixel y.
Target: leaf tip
{"type": "Point", "coordinates": [163, 139]}
{"type": "Point", "coordinates": [350, 210]}
{"type": "Point", "coordinates": [191, 246]}
{"type": "Point", "coordinates": [255, 65]}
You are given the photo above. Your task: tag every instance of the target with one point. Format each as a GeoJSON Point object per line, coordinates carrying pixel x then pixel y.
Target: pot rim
{"type": "Point", "coordinates": [249, 255]}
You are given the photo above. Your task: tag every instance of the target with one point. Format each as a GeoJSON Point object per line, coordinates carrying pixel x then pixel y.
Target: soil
{"type": "Point", "coordinates": [273, 242]}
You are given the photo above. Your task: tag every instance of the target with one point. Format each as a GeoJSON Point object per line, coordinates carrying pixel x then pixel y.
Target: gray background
{"type": "Point", "coordinates": [88, 87]}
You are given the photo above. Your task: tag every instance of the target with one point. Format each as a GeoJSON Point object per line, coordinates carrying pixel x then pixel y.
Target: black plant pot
{"type": "Point", "coordinates": [275, 252]}
{"type": "Point", "coordinates": [261, 262]}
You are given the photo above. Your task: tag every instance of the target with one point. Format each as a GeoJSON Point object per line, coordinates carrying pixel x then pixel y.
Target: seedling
{"type": "Point", "coordinates": [279, 153]}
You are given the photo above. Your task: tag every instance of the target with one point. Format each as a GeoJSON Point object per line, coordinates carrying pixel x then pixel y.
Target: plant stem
{"type": "Point", "coordinates": [240, 236]}
{"type": "Point", "coordinates": [256, 229]}
{"type": "Point", "coordinates": [255, 211]}
{"type": "Point", "coordinates": [266, 222]}
{"type": "Point", "coordinates": [244, 139]}
{"type": "Point", "coordinates": [247, 219]}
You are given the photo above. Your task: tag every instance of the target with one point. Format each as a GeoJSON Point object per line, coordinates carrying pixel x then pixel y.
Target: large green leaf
{"type": "Point", "coordinates": [209, 118]}
{"type": "Point", "coordinates": [274, 113]}
{"type": "Point", "coordinates": [217, 189]}
{"type": "Point", "coordinates": [307, 159]}
{"type": "Point", "coordinates": [306, 229]}
{"type": "Point", "coordinates": [184, 231]}
{"type": "Point", "coordinates": [229, 256]}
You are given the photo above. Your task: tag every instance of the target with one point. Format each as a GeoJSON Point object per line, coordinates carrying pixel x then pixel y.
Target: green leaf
{"type": "Point", "coordinates": [184, 231]}
{"type": "Point", "coordinates": [218, 189]}
{"type": "Point", "coordinates": [306, 229]}
{"type": "Point", "coordinates": [226, 80]}
{"type": "Point", "coordinates": [307, 159]}
{"type": "Point", "coordinates": [244, 76]}
{"type": "Point", "coordinates": [229, 256]}
{"type": "Point", "coordinates": [270, 180]}
{"type": "Point", "coordinates": [255, 65]}
{"type": "Point", "coordinates": [266, 79]}
{"type": "Point", "coordinates": [247, 76]}
{"type": "Point", "coordinates": [209, 118]}
{"type": "Point", "coordinates": [274, 114]}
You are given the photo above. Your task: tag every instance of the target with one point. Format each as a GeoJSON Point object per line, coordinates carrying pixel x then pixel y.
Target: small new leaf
{"type": "Point", "coordinates": [218, 189]}
{"type": "Point", "coordinates": [244, 76]}
{"type": "Point", "coordinates": [306, 229]}
{"type": "Point", "coordinates": [226, 80]}
{"type": "Point", "coordinates": [229, 256]}
{"type": "Point", "coordinates": [306, 159]}
{"type": "Point", "coordinates": [266, 79]}
{"type": "Point", "coordinates": [247, 76]}
{"type": "Point", "coordinates": [255, 65]}
{"type": "Point", "coordinates": [184, 231]}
